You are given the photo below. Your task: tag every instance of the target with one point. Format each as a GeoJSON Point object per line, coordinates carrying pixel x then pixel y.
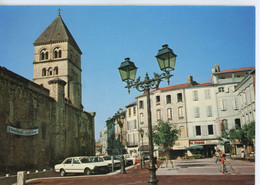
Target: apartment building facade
{"type": "Point", "coordinates": [200, 111]}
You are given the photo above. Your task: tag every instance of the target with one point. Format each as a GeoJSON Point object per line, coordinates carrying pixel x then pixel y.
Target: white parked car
{"type": "Point", "coordinates": [80, 165]}
{"type": "Point", "coordinates": [108, 159]}
{"type": "Point", "coordinates": [129, 158]}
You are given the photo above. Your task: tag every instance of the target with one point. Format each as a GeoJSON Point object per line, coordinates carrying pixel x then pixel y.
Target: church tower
{"type": "Point", "coordinates": [57, 56]}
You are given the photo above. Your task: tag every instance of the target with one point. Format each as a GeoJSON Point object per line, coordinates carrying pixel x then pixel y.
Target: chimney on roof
{"type": "Point", "coordinates": [215, 69]}
{"type": "Point", "coordinates": [190, 79]}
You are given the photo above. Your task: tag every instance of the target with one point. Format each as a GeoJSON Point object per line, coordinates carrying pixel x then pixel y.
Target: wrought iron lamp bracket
{"type": "Point", "coordinates": [148, 83]}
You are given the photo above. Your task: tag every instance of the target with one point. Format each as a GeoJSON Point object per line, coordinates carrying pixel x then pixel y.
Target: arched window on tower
{"type": "Point", "coordinates": [44, 54]}
{"type": "Point", "coordinates": [50, 71]}
{"type": "Point", "coordinates": [57, 52]}
{"type": "Point", "coordinates": [56, 71]}
{"type": "Point", "coordinates": [43, 72]}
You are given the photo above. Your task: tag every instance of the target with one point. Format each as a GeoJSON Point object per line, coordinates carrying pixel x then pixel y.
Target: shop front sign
{"type": "Point", "coordinates": [205, 142]}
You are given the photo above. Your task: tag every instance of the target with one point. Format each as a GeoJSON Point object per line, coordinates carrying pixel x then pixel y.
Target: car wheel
{"type": "Point", "coordinates": [87, 171]}
{"type": "Point", "coordinates": [62, 173]}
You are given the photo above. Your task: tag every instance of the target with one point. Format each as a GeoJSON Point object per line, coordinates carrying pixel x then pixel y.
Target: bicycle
{"type": "Point", "coordinates": [228, 169]}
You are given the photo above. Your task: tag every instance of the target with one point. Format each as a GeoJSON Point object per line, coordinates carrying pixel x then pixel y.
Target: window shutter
{"type": "Point", "coordinates": [195, 95]}
{"type": "Point", "coordinates": [204, 130]}
{"type": "Point", "coordinates": [221, 104]}
{"type": "Point", "coordinates": [235, 104]}
{"type": "Point", "coordinates": [194, 131]}
{"type": "Point", "coordinates": [227, 89]}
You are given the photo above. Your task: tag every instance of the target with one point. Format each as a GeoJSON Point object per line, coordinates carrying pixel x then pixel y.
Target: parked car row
{"type": "Point", "coordinates": [89, 165]}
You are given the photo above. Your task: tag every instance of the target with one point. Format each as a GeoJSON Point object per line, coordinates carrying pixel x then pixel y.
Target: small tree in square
{"type": "Point", "coordinates": [165, 135]}
{"type": "Point", "coordinates": [244, 135]}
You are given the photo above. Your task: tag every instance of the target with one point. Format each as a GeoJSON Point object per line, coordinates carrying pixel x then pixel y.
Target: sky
{"type": "Point", "coordinates": [200, 36]}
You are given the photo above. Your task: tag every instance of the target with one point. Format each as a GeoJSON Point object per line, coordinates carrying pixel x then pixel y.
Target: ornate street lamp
{"type": "Point", "coordinates": [120, 119]}
{"type": "Point", "coordinates": [166, 60]}
{"type": "Point", "coordinates": [141, 131]}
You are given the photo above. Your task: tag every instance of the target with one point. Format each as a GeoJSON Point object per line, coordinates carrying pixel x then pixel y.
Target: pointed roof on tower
{"type": "Point", "coordinates": [56, 32]}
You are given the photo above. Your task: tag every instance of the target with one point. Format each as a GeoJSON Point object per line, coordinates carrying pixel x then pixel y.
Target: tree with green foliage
{"type": "Point", "coordinates": [244, 135]}
{"type": "Point", "coordinates": [165, 135]}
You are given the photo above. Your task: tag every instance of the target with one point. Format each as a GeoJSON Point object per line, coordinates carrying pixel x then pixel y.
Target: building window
{"type": "Point", "coordinates": [44, 54]}
{"type": "Point", "coordinates": [56, 71]}
{"type": "Point", "coordinates": [222, 104]}
{"type": "Point", "coordinates": [43, 72]}
{"type": "Point", "coordinates": [210, 129]}
{"type": "Point", "coordinates": [158, 100]}
{"type": "Point", "coordinates": [182, 132]}
{"type": "Point", "coordinates": [168, 99]}
{"type": "Point", "coordinates": [235, 106]}
{"type": "Point", "coordinates": [134, 111]}
{"type": "Point", "coordinates": [129, 112]}
{"type": "Point", "coordinates": [209, 111]}
{"type": "Point", "coordinates": [141, 118]}
{"type": "Point", "coordinates": [224, 124]}
{"type": "Point", "coordinates": [198, 131]}
{"type": "Point", "coordinates": [196, 112]}
{"type": "Point", "coordinates": [158, 114]}
{"type": "Point", "coordinates": [50, 71]}
{"type": "Point", "coordinates": [169, 113]}
{"type": "Point", "coordinates": [238, 123]}
{"type": "Point", "coordinates": [180, 112]}
{"type": "Point", "coordinates": [141, 104]}
{"type": "Point", "coordinates": [179, 97]}
{"type": "Point", "coordinates": [207, 94]}
{"type": "Point", "coordinates": [57, 52]}
{"type": "Point", "coordinates": [221, 89]}
{"type": "Point", "coordinates": [195, 95]}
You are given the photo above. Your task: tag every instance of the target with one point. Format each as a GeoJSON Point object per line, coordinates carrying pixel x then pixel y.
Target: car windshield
{"type": "Point", "coordinates": [85, 160]}
{"type": "Point", "coordinates": [106, 158]}
{"type": "Point", "coordinates": [117, 157]}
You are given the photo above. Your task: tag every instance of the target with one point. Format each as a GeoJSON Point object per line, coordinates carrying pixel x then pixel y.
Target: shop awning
{"type": "Point", "coordinates": [145, 148]}
{"type": "Point", "coordinates": [159, 149]}
{"type": "Point", "coordinates": [194, 147]}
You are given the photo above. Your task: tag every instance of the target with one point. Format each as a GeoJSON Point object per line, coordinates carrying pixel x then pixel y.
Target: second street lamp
{"type": "Point", "coordinates": [141, 131]}
{"type": "Point", "coordinates": [166, 60]}
{"type": "Point", "coordinates": [120, 118]}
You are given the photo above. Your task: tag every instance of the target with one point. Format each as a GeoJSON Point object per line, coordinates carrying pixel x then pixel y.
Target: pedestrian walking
{"type": "Point", "coordinates": [134, 156]}
{"type": "Point", "coordinates": [242, 152]}
{"type": "Point", "coordinates": [217, 156]}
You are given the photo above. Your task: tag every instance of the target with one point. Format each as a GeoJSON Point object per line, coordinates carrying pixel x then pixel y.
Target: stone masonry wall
{"type": "Point", "coordinates": [27, 105]}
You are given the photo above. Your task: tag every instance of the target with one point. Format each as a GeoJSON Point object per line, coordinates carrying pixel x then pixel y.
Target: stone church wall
{"type": "Point", "coordinates": [26, 105]}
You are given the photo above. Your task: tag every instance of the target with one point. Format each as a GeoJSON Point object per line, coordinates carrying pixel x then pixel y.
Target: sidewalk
{"type": "Point", "coordinates": [203, 167]}
{"type": "Point", "coordinates": [139, 177]}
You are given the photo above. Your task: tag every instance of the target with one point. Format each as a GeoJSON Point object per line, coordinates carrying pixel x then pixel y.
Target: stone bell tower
{"type": "Point", "coordinates": [57, 56]}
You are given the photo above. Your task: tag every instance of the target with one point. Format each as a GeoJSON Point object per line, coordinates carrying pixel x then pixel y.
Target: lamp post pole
{"type": "Point", "coordinates": [141, 131]}
{"type": "Point", "coordinates": [119, 118]}
{"type": "Point", "coordinates": [166, 60]}
{"type": "Point", "coordinates": [122, 156]}
{"type": "Point", "coordinates": [152, 177]}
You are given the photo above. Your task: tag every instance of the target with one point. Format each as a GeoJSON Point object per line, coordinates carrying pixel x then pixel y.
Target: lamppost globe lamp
{"type": "Point", "coordinates": [127, 70]}
{"type": "Point", "coordinates": [141, 131]}
{"type": "Point", "coordinates": [166, 59]}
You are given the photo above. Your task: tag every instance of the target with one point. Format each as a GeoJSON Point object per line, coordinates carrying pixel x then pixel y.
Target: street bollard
{"type": "Point", "coordinates": [21, 177]}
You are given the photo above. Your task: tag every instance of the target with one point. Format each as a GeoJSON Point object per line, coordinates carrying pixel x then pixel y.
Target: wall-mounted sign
{"type": "Point", "coordinates": [22, 132]}
{"type": "Point", "coordinates": [205, 142]}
